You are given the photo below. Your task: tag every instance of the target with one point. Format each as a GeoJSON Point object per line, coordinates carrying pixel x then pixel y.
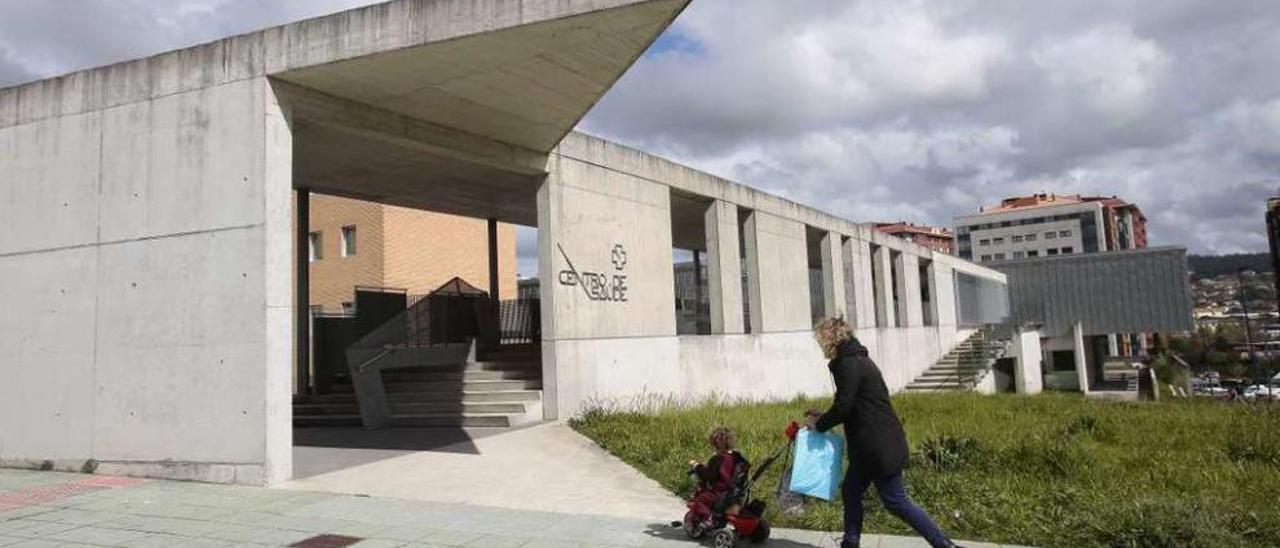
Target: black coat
{"type": "Point", "coordinates": [877, 446]}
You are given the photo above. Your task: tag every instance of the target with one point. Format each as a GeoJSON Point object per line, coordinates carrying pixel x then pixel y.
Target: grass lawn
{"type": "Point", "coordinates": [1049, 470]}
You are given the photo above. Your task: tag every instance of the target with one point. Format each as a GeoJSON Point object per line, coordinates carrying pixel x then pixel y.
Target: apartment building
{"type": "Point", "coordinates": [353, 243]}
{"type": "Point", "coordinates": [1046, 225]}
{"type": "Point", "coordinates": [933, 237]}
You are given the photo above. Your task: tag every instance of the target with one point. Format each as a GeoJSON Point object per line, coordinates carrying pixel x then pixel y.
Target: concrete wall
{"type": "Point", "coordinates": [147, 265]}
{"type": "Point", "coordinates": [600, 195]}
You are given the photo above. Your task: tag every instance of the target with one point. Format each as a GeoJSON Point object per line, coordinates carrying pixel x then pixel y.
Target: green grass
{"type": "Point", "coordinates": [1050, 470]}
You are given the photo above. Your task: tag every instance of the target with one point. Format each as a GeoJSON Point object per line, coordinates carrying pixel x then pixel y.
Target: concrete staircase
{"type": "Point", "coordinates": [962, 367]}
{"type": "Point", "coordinates": [503, 390]}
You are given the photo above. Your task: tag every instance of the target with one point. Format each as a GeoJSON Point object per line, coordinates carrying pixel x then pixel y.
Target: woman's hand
{"type": "Point", "coordinates": [811, 419]}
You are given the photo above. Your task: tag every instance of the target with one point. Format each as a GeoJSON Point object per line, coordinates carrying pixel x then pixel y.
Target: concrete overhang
{"type": "Point", "coordinates": [452, 105]}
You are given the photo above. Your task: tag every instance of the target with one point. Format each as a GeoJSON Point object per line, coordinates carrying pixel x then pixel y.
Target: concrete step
{"type": "Point", "coordinates": [414, 408]}
{"type": "Point", "coordinates": [421, 376]}
{"type": "Point", "coordinates": [453, 386]}
{"type": "Point", "coordinates": [468, 396]}
{"type": "Point", "coordinates": [466, 419]}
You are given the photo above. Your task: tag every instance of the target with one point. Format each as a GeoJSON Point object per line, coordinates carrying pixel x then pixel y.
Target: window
{"type": "Point", "coordinates": [1050, 235]}
{"type": "Point", "coordinates": [348, 241]}
{"type": "Point", "coordinates": [1068, 250]}
{"type": "Point", "coordinates": [1064, 234]}
{"type": "Point", "coordinates": [1017, 239]}
{"type": "Point", "coordinates": [986, 258]}
{"type": "Point", "coordinates": [314, 248]}
{"type": "Point", "coordinates": [1031, 237]}
{"type": "Point", "coordinates": [349, 308]}
{"type": "Point", "coordinates": [997, 241]}
{"type": "Point", "coordinates": [1033, 253]}
{"type": "Point", "coordinates": [1019, 254]}
{"type": "Point", "coordinates": [999, 256]}
{"type": "Point", "coordinates": [1053, 251]}
{"type": "Point", "coordinates": [984, 242]}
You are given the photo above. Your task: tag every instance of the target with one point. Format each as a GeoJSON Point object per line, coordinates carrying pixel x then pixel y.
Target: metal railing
{"type": "Point", "coordinates": [430, 322]}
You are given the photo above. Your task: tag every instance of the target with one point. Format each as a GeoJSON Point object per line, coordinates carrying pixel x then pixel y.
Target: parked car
{"type": "Point", "coordinates": [1262, 392]}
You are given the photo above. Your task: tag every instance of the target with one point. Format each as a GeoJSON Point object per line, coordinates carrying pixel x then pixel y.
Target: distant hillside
{"type": "Point", "coordinates": [1209, 266]}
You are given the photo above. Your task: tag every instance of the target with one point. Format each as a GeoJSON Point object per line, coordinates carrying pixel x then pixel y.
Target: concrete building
{"type": "Point", "coordinates": [152, 244]}
{"type": "Point", "coordinates": [1064, 308]}
{"type": "Point", "coordinates": [1045, 225]}
{"type": "Point", "coordinates": [353, 243]}
{"type": "Point", "coordinates": [933, 237]}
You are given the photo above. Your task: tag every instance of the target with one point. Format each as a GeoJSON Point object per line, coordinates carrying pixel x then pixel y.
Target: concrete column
{"type": "Point", "coordinates": [751, 244]}
{"type": "Point", "coordinates": [882, 266]}
{"type": "Point", "coordinates": [1082, 372]}
{"type": "Point", "coordinates": [932, 310]}
{"type": "Point", "coordinates": [1028, 374]}
{"type": "Point", "coordinates": [492, 334]}
{"type": "Point", "coordinates": [865, 297]}
{"type": "Point", "coordinates": [909, 301]}
{"type": "Point", "coordinates": [724, 267]}
{"type": "Point", "coordinates": [549, 210]}
{"type": "Point", "coordinates": [833, 304]}
{"type": "Point", "coordinates": [944, 294]}
{"type": "Point", "coordinates": [302, 283]}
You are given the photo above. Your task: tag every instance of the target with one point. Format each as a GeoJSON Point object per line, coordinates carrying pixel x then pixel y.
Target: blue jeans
{"type": "Point", "coordinates": [893, 494]}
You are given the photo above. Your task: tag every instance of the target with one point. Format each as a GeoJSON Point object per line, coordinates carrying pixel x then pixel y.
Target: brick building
{"type": "Point", "coordinates": [355, 243]}
{"type": "Point", "coordinates": [933, 237]}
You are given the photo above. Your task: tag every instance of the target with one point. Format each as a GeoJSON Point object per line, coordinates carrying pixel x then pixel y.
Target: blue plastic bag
{"type": "Point", "coordinates": [816, 471]}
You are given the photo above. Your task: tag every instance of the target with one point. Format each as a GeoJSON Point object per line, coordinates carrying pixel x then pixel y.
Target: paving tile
{"type": "Point", "coordinates": [98, 535]}
{"type": "Point", "coordinates": [36, 543]}
{"type": "Point", "coordinates": [379, 543]}
{"type": "Point", "coordinates": [901, 542]}
{"type": "Point", "coordinates": [497, 541]}
{"type": "Point", "coordinates": [26, 511]}
{"type": "Point", "coordinates": [444, 537]}
{"type": "Point", "coordinates": [74, 516]}
{"type": "Point", "coordinates": [5, 541]}
{"type": "Point", "coordinates": [26, 528]}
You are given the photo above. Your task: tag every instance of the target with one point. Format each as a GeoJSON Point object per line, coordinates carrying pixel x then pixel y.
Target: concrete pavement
{"type": "Point", "coordinates": [546, 467]}
{"type": "Point", "coordinates": [49, 509]}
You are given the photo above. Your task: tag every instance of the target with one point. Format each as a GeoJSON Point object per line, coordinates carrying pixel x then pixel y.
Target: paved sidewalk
{"type": "Point", "coordinates": [547, 467]}
{"type": "Point", "coordinates": [45, 509]}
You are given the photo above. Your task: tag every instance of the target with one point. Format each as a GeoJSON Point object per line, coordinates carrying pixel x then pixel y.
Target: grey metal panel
{"type": "Point", "coordinates": [1116, 292]}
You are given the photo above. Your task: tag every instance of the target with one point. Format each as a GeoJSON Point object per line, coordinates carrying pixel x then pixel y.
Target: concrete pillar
{"type": "Point", "coordinates": [833, 303]}
{"type": "Point", "coordinates": [930, 277]}
{"type": "Point", "coordinates": [859, 252]}
{"type": "Point", "coordinates": [1028, 374]}
{"type": "Point", "coordinates": [1082, 372]}
{"type": "Point", "coordinates": [302, 284]}
{"type": "Point", "coordinates": [944, 294]}
{"type": "Point", "coordinates": [751, 243]}
{"type": "Point", "coordinates": [492, 334]}
{"type": "Point", "coordinates": [724, 267]}
{"type": "Point", "coordinates": [910, 305]}
{"type": "Point", "coordinates": [549, 210]}
{"type": "Point", "coordinates": [882, 267]}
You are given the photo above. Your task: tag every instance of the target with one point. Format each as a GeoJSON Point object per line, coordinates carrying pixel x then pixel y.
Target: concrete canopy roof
{"type": "Point", "coordinates": [460, 120]}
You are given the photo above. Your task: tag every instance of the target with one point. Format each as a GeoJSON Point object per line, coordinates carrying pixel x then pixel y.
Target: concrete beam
{"type": "Point", "coordinates": [724, 267]}
{"type": "Point", "coordinates": [833, 288]}
{"type": "Point", "coordinates": [309, 107]}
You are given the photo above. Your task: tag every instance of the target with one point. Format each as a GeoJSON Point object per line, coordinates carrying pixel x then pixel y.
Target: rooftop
{"type": "Point", "coordinates": [1051, 200]}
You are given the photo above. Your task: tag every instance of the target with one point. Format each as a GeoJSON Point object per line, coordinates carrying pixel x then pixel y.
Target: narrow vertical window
{"type": "Point", "coordinates": [349, 241]}
{"type": "Point", "coordinates": [314, 247]}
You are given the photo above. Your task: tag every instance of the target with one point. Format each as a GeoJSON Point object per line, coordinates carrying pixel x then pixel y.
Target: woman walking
{"type": "Point", "coordinates": [877, 446]}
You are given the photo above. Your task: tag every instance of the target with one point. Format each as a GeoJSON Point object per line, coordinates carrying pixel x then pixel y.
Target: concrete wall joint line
{"type": "Point", "coordinates": [130, 240]}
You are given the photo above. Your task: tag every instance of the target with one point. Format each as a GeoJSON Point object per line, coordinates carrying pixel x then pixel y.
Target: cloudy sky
{"type": "Point", "coordinates": [915, 110]}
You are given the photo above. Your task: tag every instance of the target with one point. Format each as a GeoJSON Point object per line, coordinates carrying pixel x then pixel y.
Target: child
{"type": "Point", "coordinates": [720, 476]}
